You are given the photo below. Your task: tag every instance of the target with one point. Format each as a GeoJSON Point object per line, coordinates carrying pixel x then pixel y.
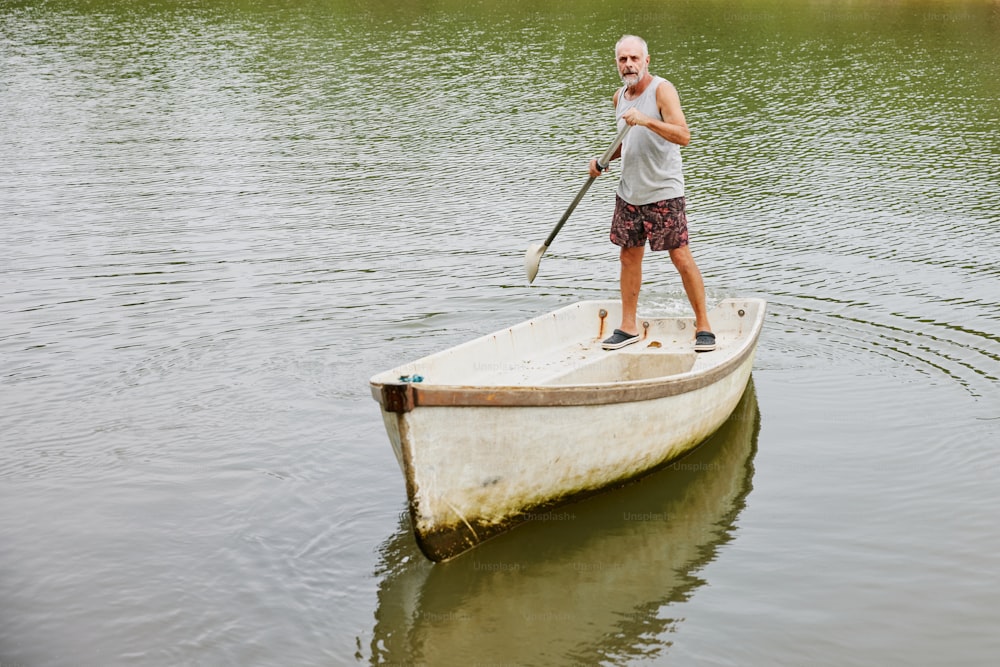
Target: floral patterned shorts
{"type": "Point", "coordinates": [664, 223]}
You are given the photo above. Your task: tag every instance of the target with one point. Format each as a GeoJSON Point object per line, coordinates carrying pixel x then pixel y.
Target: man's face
{"type": "Point", "coordinates": [631, 63]}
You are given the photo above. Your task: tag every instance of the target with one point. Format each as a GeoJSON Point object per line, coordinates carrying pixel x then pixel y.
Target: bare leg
{"type": "Point", "coordinates": [631, 282]}
{"type": "Point", "coordinates": [694, 286]}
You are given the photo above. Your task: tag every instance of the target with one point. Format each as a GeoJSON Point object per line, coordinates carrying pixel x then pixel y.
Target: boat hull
{"type": "Point", "coordinates": [597, 574]}
{"type": "Point", "coordinates": [480, 459]}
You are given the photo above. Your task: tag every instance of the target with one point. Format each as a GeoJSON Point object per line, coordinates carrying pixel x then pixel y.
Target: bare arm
{"type": "Point", "coordinates": [673, 127]}
{"type": "Point", "coordinates": [614, 103]}
{"type": "Point", "coordinates": [618, 151]}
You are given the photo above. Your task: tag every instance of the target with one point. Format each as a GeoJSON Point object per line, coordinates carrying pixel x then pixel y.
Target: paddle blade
{"type": "Point", "coordinates": [531, 260]}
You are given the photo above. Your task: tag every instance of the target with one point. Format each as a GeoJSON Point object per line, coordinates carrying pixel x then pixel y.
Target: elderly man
{"type": "Point", "coordinates": [649, 203]}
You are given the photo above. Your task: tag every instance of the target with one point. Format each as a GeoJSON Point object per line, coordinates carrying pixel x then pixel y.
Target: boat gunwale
{"type": "Point", "coordinates": [405, 396]}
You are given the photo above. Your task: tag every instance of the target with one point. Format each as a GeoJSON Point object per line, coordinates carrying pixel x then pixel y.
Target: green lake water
{"type": "Point", "coordinates": [219, 219]}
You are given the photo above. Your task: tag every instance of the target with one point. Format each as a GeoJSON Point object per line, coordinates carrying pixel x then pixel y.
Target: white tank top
{"type": "Point", "coordinates": [651, 166]}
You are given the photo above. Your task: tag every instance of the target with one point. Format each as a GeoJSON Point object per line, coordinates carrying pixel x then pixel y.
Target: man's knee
{"type": "Point", "coordinates": [682, 259]}
{"type": "Point", "coordinates": [630, 257]}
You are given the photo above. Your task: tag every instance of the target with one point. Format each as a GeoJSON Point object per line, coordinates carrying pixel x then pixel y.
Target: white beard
{"type": "Point", "coordinates": [631, 79]}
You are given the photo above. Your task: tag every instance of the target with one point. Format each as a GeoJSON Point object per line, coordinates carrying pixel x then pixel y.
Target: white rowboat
{"type": "Point", "coordinates": [495, 431]}
{"type": "Point", "coordinates": [596, 575]}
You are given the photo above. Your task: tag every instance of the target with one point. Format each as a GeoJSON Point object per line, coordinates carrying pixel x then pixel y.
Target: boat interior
{"type": "Point", "coordinates": [563, 348]}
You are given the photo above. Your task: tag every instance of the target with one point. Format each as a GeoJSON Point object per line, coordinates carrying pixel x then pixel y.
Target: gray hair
{"type": "Point", "coordinates": [645, 49]}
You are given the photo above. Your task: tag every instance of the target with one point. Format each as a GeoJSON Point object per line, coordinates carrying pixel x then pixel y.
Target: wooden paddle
{"type": "Point", "coordinates": [534, 253]}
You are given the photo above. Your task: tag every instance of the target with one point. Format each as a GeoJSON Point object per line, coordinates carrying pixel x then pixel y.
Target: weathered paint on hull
{"type": "Point", "coordinates": [613, 552]}
{"type": "Point", "coordinates": [499, 466]}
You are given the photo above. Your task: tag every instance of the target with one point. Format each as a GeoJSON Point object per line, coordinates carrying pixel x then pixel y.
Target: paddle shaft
{"type": "Point", "coordinates": [603, 163]}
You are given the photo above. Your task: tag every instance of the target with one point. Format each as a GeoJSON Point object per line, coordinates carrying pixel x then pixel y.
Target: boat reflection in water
{"type": "Point", "coordinates": [579, 585]}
